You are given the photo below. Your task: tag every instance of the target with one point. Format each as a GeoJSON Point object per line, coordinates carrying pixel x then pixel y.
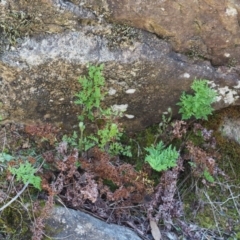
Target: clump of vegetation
{"type": "Point", "coordinates": [199, 104]}
{"type": "Point", "coordinates": [91, 93]}
{"type": "Point", "coordinates": [26, 173]}
{"type": "Point", "coordinates": [86, 170]}
{"type": "Point", "coordinates": [161, 159]}
{"type": "Point", "coordinates": [107, 136]}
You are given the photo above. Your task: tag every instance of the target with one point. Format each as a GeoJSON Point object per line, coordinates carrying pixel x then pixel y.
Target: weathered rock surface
{"type": "Point", "coordinates": [70, 224]}
{"type": "Point", "coordinates": [230, 123]}
{"type": "Point", "coordinates": [207, 29]}
{"type": "Point", "coordinates": [39, 74]}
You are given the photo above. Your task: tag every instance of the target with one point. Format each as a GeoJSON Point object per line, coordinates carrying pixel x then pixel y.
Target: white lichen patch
{"type": "Point", "coordinates": [212, 84]}
{"type": "Point", "coordinates": [120, 107]}
{"type": "Point", "coordinates": [238, 85]}
{"type": "Point", "coordinates": [226, 94]}
{"type": "Point", "coordinates": [230, 11]}
{"type": "Point", "coordinates": [129, 116]}
{"type": "Point", "coordinates": [112, 91]}
{"type": "Point", "coordinates": [133, 73]}
{"type": "Point", "coordinates": [3, 2]}
{"type": "Point", "coordinates": [63, 220]}
{"type": "Point", "coordinates": [231, 128]}
{"type": "Point", "coordinates": [33, 90]}
{"type": "Point", "coordinates": [131, 91]}
{"type": "Point", "coordinates": [79, 230]}
{"type": "Point", "coordinates": [186, 75]}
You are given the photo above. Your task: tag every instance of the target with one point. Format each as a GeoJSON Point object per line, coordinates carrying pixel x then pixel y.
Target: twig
{"type": "Point", "coordinates": [234, 200]}
{"type": "Point", "coordinates": [15, 198]}
{"type": "Point", "coordinates": [213, 208]}
{"type": "Point", "coordinates": [138, 231]}
{"type": "Point", "coordinates": [5, 139]}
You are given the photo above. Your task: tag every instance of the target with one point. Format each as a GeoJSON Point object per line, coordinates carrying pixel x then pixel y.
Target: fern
{"type": "Point", "coordinates": [161, 159]}
{"type": "Point", "coordinates": [199, 104]}
{"type": "Point", "coordinates": [25, 173]}
{"type": "Point", "coordinates": [90, 95]}
{"type": "Point", "coordinates": [108, 135]}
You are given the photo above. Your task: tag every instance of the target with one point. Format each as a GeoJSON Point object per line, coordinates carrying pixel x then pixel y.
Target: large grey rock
{"type": "Point", "coordinates": [70, 224]}
{"type": "Point", "coordinates": [39, 75]}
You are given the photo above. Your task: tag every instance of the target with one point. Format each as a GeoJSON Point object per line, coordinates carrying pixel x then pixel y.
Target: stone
{"type": "Point", "coordinates": [230, 128]}
{"type": "Point", "coordinates": [206, 29]}
{"type": "Point", "coordinates": [71, 224]}
{"type": "Point", "coordinates": [143, 73]}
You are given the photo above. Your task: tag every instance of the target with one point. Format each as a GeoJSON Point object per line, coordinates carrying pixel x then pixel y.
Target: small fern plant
{"type": "Point", "coordinates": [108, 133]}
{"type": "Point", "coordinates": [91, 95]}
{"type": "Point", "coordinates": [199, 104]}
{"type": "Point", "coordinates": [25, 172]}
{"type": "Point", "coordinates": [161, 158]}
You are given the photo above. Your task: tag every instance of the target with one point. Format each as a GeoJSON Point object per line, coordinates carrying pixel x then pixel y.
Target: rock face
{"type": "Point", "coordinates": [53, 41]}
{"type": "Point", "coordinates": [71, 224]}
{"type": "Point", "coordinates": [206, 28]}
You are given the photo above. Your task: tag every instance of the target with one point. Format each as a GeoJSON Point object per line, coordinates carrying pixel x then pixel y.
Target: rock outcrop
{"type": "Point", "coordinates": [48, 44]}
{"type": "Point", "coordinates": [71, 224]}
{"type": "Point", "coordinates": [207, 29]}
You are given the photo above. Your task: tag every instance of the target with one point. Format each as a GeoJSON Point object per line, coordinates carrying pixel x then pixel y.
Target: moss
{"type": "Point", "coordinates": [196, 139]}
{"type": "Point", "coordinates": [110, 184]}
{"type": "Point", "coordinates": [28, 18]}
{"type": "Point", "coordinates": [121, 35]}
{"type": "Point", "coordinates": [237, 235]}
{"type": "Point", "coordinates": [219, 207]}
{"type": "Point", "coordinates": [14, 25]}
{"type": "Point", "coordinates": [196, 53]}
{"type": "Point", "coordinates": [16, 219]}
{"type": "Point", "coordinates": [208, 214]}
{"type": "Point", "coordinates": [232, 62]}
{"type": "Point", "coordinates": [228, 149]}
{"type": "Point", "coordinates": [51, 230]}
{"type": "Point", "coordinates": [15, 223]}
{"type": "Point", "coordinates": [138, 142]}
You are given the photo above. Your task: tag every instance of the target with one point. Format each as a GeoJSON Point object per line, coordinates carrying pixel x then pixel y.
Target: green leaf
{"type": "Point", "coordinates": [161, 159]}
{"type": "Point", "coordinates": [208, 176]}
{"type": "Point", "coordinates": [5, 157]}
{"type": "Point", "coordinates": [91, 94]}
{"type": "Point", "coordinates": [199, 104]}
{"type": "Point", "coordinates": [25, 172]}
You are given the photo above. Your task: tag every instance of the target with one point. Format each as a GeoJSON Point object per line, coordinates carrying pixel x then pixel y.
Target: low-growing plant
{"type": "Point", "coordinates": [199, 104]}
{"type": "Point", "coordinates": [82, 143]}
{"type": "Point", "coordinates": [91, 93]}
{"type": "Point", "coordinates": [161, 158]}
{"type": "Point", "coordinates": [207, 175]}
{"type": "Point", "coordinates": [107, 136]}
{"type": "Point", "coordinates": [163, 125]}
{"type": "Point", "coordinates": [25, 172]}
{"type": "Point", "coordinates": [5, 157]}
